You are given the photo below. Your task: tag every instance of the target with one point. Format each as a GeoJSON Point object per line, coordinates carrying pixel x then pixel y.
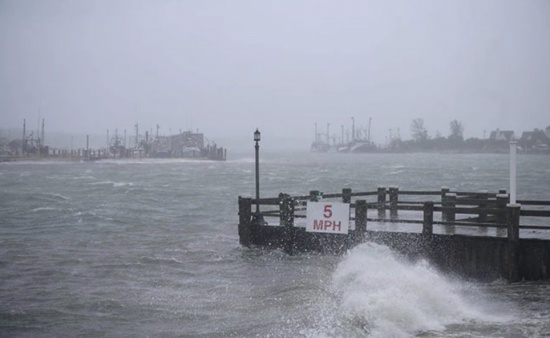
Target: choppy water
{"type": "Point", "coordinates": [150, 249]}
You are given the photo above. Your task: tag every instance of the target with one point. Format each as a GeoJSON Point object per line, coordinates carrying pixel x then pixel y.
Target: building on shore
{"type": "Point", "coordinates": [183, 145]}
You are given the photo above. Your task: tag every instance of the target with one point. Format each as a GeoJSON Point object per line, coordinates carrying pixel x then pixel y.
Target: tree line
{"type": "Point", "coordinates": [421, 141]}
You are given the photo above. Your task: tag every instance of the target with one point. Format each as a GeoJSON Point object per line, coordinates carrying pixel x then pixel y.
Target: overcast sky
{"type": "Point", "coordinates": [227, 67]}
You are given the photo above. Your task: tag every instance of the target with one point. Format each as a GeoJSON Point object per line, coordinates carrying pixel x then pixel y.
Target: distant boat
{"type": "Point", "coordinates": [320, 147]}
{"type": "Point", "coordinates": [358, 146]}
{"type": "Point", "coordinates": [362, 147]}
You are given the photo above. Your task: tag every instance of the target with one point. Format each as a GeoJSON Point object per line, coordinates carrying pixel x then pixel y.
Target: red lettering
{"type": "Point", "coordinates": [328, 211]}
{"type": "Point", "coordinates": [317, 225]}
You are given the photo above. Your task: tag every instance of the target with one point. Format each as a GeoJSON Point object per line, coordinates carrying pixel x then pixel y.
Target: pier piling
{"type": "Point", "coordinates": [286, 208]}
{"type": "Point", "coordinates": [484, 199]}
{"type": "Point", "coordinates": [346, 195]}
{"type": "Point", "coordinates": [381, 192]}
{"type": "Point", "coordinates": [512, 222]}
{"type": "Point", "coordinates": [314, 195]}
{"type": "Point", "coordinates": [450, 200]}
{"type": "Point", "coordinates": [245, 215]}
{"type": "Point", "coordinates": [394, 196]}
{"type": "Point", "coordinates": [501, 201]}
{"type": "Point", "coordinates": [428, 222]}
{"type": "Point", "coordinates": [360, 219]}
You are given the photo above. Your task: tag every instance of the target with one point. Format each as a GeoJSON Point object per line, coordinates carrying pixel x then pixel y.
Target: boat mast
{"type": "Point", "coordinates": [43, 136]}
{"type": "Point", "coordinates": [370, 119]}
{"type": "Point", "coordinates": [316, 135]}
{"type": "Point", "coordinates": [352, 129]}
{"type": "Point", "coordinates": [24, 140]}
{"type": "Point", "coordinates": [137, 126]}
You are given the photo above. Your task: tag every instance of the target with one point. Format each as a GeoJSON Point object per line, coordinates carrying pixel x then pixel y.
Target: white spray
{"type": "Point", "coordinates": [378, 294]}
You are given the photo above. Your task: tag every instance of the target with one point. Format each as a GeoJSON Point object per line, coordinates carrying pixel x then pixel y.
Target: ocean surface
{"type": "Point", "coordinates": [149, 248]}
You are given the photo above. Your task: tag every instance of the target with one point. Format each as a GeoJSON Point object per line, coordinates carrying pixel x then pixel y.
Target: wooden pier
{"type": "Point", "coordinates": [450, 229]}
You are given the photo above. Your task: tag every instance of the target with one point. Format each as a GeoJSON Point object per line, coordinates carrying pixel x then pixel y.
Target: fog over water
{"type": "Point", "coordinates": [227, 67]}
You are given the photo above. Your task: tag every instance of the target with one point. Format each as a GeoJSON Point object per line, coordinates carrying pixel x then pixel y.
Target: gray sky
{"type": "Point", "coordinates": [227, 67]}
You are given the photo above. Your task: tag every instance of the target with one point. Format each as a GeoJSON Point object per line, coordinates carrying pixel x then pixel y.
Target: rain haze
{"type": "Point", "coordinates": [229, 67]}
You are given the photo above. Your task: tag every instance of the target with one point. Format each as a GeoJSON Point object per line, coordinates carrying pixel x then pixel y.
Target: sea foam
{"type": "Point", "coordinates": [380, 294]}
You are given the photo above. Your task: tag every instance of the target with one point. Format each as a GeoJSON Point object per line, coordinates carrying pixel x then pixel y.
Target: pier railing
{"type": "Point", "coordinates": [470, 209]}
{"type": "Point", "coordinates": [426, 217]}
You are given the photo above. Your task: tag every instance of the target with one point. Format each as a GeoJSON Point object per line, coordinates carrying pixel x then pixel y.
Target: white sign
{"type": "Point", "coordinates": [327, 217]}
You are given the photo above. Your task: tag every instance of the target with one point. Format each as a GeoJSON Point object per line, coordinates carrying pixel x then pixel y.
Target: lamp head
{"type": "Point", "coordinates": [257, 135]}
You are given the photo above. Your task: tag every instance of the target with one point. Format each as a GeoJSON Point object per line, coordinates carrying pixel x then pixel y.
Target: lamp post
{"type": "Point", "coordinates": [257, 137]}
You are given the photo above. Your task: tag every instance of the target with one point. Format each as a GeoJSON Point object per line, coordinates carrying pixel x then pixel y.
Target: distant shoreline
{"type": "Point", "coordinates": [75, 159]}
{"type": "Point", "coordinates": [38, 159]}
{"type": "Point", "coordinates": [13, 159]}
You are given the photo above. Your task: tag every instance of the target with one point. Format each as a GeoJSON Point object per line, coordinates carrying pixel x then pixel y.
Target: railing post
{"type": "Point", "coordinates": [314, 195]}
{"type": "Point", "coordinates": [381, 202]}
{"type": "Point", "coordinates": [394, 196]}
{"type": "Point", "coordinates": [286, 205]}
{"type": "Point", "coordinates": [428, 223]}
{"type": "Point", "coordinates": [346, 195]}
{"type": "Point", "coordinates": [360, 219]}
{"type": "Point", "coordinates": [512, 220]}
{"type": "Point", "coordinates": [450, 214]}
{"type": "Point", "coordinates": [282, 215]}
{"type": "Point", "coordinates": [245, 226]}
{"type": "Point", "coordinates": [444, 192]}
{"type": "Point", "coordinates": [484, 197]}
{"type": "Point", "coordinates": [500, 219]}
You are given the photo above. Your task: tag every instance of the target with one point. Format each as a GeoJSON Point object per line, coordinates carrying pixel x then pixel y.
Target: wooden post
{"type": "Point", "coordinates": [346, 195]}
{"type": "Point", "coordinates": [512, 220]}
{"type": "Point", "coordinates": [394, 195]}
{"type": "Point", "coordinates": [314, 195]}
{"type": "Point", "coordinates": [245, 226]}
{"type": "Point", "coordinates": [282, 209]}
{"type": "Point", "coordinates": [360, 219]}
{"type": "Point", "coordinates": [500, 219]}
{"type": "Point", "coordinates": [450, 214]}
{"type": "Point", "coordinates": [428, 223]}
{"type": "Point", "coordinates": [444, 191]}
{"type": "Point", "coordinates": [286, 205]}
{"type": "Point", "coordinates": [451, 202]}
{"type": "Point", "coordinates": [381, 202]}
{"type": "Point", "coordinates": [484, 197]}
